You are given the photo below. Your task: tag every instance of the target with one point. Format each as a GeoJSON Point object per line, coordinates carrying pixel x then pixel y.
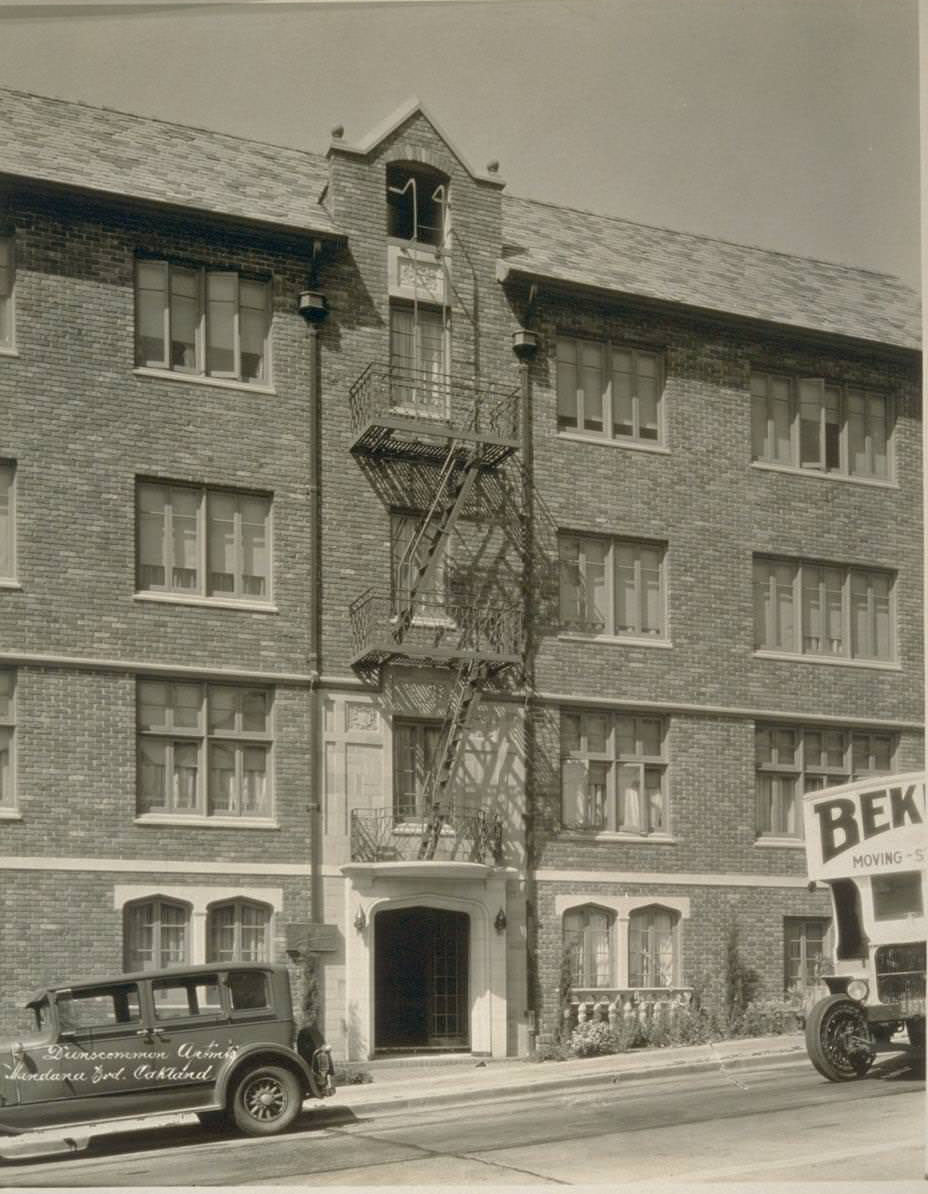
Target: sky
{"type": "Point", "coordinates": [788, 124]}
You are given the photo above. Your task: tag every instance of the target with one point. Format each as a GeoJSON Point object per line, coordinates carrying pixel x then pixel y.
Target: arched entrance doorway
{"type": "Point", "coordinates": [421, 963]}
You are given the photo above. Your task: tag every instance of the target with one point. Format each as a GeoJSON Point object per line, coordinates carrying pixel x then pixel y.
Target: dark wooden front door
{"type": "Point", "coordinates": [421, 959]}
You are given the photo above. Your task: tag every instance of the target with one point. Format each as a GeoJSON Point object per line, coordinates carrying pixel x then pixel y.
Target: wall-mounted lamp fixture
{"type": "Point", "coordinates": [500, 923]}
{"type": "Point", "coordinates": [360, 920]}
{"type": "Point", "coordinates": [524, 344]}
{"type": "Point", "coordinates": [312, 306]}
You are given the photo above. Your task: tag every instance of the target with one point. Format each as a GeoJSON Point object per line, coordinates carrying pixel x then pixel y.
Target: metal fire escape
{"type": "Point", "coordinates": [452, 429]}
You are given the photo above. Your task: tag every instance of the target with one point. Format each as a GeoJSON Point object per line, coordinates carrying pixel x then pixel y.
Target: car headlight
{"type": "Point", "coordinates": [859, 989]}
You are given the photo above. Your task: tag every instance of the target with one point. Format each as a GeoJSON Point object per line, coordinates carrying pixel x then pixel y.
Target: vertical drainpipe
{"type": "Point", "coordinates": [313, 309]}
{"type": "Point", "coordinates": [525, 345]}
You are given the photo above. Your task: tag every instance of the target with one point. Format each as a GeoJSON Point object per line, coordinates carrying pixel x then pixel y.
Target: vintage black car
{"type": "Point", "coordinates": [217, 1040]}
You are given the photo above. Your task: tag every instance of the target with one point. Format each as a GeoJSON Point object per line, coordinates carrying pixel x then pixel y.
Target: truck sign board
{"type": "Point", "coordinates": [869, 827]}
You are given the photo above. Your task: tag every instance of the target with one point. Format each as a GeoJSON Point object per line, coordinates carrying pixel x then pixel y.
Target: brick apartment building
{"type": "Point", "coordinates": [451, 587]}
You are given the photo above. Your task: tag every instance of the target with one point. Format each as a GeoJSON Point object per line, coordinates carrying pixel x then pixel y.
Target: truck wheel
{"type": "Point", "coordinates": [838, 1039]}
{"type": "Point", "coordinates": [266, 1100]}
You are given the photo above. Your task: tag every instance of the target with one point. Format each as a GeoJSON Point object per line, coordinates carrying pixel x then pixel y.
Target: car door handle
{"type": "Point", "coordinates": [150, 1033]}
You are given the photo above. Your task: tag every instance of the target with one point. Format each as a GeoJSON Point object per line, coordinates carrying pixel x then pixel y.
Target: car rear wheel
{"type": "Point", "coordinates": [838, 1039]}
{"type": "Point", "coordinates": [266, 1100]}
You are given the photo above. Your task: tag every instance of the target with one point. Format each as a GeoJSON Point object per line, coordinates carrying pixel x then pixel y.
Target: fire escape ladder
{"type": "Point", "coordinates": [423, 553]}
{"type": "Point", "coordinates": [471, 675]}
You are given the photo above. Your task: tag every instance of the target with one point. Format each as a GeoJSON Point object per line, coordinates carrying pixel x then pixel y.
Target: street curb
{"type": "Point", "coordinates": [568, 1081]}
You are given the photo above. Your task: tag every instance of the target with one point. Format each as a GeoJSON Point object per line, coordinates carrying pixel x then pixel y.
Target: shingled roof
{"type": "Point", "coordinates": [101, 150]}
{"type": "Point", "coordinates": [606, 253]}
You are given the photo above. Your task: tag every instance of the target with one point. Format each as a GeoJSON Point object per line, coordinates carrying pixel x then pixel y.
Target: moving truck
{"type": "Point", "coordinates": [866, 842]}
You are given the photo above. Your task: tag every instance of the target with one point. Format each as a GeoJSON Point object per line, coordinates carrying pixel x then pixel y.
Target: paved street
{"type": "Point", "coordinates": [777, 1122]}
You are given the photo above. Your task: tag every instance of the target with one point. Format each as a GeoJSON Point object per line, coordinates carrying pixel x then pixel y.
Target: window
{"type": "Point", "coordinates": [823, 610]}
{"type": "Point", "coordinates": [199, 542]}
{"type": "Point", "coordinates": [805, 949]}
{"type": "Point", "coordinates": [609, 390]}
{"type": "Point", "coordinates": [415, 750]}
{"type": "Point", "coordinates": [7, 520]}
{"type": "Point", "coordinates": [98, 1007]}
{"type": "Point", "coordinates": [897, 897]}
{"type": "Point", "coordinates": [7, 727]}
{"type": "Point", "coordinates": [204, 749]}
{"type": "Point", "coordinates": [808, 423]}
{"type": "Point", "coordinates": [417, 198]}
{"type": "Point", "coordinates": [612, 586]}
{"type": "Point", "coordinates": [652, 947]}
{"type": "Point", "coordinates": [176, 999]}
{"type": "Point", "coordinates": [791, 760]}
{"type": "Point", "coordinates": [248, 991]}
{"type": "Point", "coordinates": [156, 934]}
{"type": "Point", "coordinates": [7, 277]}
{"type": "Point", "coordinates": [419, 360]}
{"type": "Point", "coordinates": [237, 932]}
{"type": "Point", "coordinates": [213, 323]}
{"type": "Point", "coordinates": [588, 941]}
{"type": "Point", "coordinates": [613, 772]}
{"type": "Point", "coordinates": [409, 557]}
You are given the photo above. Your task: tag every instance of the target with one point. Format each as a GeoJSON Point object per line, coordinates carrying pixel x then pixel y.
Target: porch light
{"type": "Point", "coordinates": [312, 306]}
{"type": "Point", "coordinates": [524, 344]}
{"type": "Point", "coordinates": [500, 923]}
{"type": "Point", "coordinates": [360, 920]}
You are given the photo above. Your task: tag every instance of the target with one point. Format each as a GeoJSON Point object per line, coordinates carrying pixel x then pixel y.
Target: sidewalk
{"type": "Point", "coordinates": [404, 1083]}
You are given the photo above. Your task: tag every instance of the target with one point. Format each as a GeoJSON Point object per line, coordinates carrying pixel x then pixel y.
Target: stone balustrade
{"type": "Point", "coordinates": [624, 1007]}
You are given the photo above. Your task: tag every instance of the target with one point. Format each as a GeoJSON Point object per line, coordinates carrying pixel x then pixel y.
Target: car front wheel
{"type": "Point", "coordinates": [267, 1100]}
{"type": "Point", "coordinates": [838, 1039]}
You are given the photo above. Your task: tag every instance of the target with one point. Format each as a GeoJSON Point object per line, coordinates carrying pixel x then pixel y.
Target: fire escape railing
{"type": "Point", "coordinates": [467, 834]}
{"type": "Point", "coordinates": [454, 629]}
{"type": "Point", "coordinates": [464, 403]}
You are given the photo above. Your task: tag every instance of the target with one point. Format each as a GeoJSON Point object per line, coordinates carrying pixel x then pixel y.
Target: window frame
{"type": "Point", "coordinates": [8, 467]}
{"type": "Point", "coordinates": [767, 609]}
{"type": "Point", "coordinates": [583, 959]}
{"type": "Point", "coordinates": [612, 546]}
{"type": "Point", "coordinates": [237, 904]}
{"type": "Point", "coordinates": [804, 980]}
{"type": "Point", "coordinates": [131, 950]}
{"type": "Point", "coordinates": [653, 960]}
{"type": "Point", "coordinates": [201, 344]}
{"type": "Point", "coordinates": [610, 763]}
{"type": "Point", "coordinates": [205, 495]}
{"type": "Point", "coordinates": [607, 405]}
{"type": "Point", "coordinates": [8, 293]}
{"type": "Point", "coordinates": [762, 444]}
{"type": "Point", "coordinates": [422, 727]}
{"type": "Point", "coordinates": [8, 801]}
{"type": "Point", "coordinates": [416, 173]}
{"type": "Point", "coordinates": [207, 741]}
{"type": "Point", "coordinates": [802, 774]}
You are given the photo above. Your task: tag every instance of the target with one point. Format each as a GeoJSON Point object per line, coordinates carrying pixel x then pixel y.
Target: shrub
{"type": "Point", "coordinates": [594, 1038]}
{"type": "Point", "coordinates": [765, 1017]}
{"type": "Point", "coordinates": [551, 1051]}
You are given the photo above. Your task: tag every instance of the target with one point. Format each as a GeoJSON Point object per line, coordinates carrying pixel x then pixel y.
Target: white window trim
{"type": "Point", "coordinates": [623, 907]}
{"type": "Point", "coordinates": [201, 597]}
{"type": "Point", "coordinates": [11, 811]}
{"type": "Point", "coordinates": [197, 379]}
{"type": "Point", "coordinates": [12, 580]}
{"type": "Point", "coordinates": [203, 737]}
{"type": "Point", "coordinates": [199, 371]}
{"type": "Point", "coordinates": [843, 478]}
{"type": "Point", "coordinates": [606, 348]}
{"type": "Point", "coordinates": [794, 380]}
{"type": "Point", "coordinates": [198, 898]}
{"type": "Point", "coordinates": [589, 437]}
{"type": "Point", "coordinates": [9, 349]}
{"type": "Point", "coordinates": [798, 564]}
{"type": "Point", "coordinates": [612, 542]}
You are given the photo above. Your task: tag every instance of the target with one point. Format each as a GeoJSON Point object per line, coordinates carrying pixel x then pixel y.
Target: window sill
{"type": "Point", "coordinates": [603, 440]}
{"type": "Point", "coordinates": [820, 475]}
{"type": "Point", "coordinates": [199, 379]}
{"type": "Point", "coordinates": [607, 835]}
{"type": "Point", "coordinates": [795, 657]}
{"type": "Point", "coordinates": [10, 584]}
{"type": "Point", "coordinates": [780, 843]}
{"type": "Point", "coordinates": [8, 352]}
{"type": "Point", "coordinates": [255, 607]}
{"type": "Point", "coordinates": [10, 814]}
{"type": "Point", "coordinates": [201, 822]}
{"type": "Point", "coordinates": [613, 640]}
